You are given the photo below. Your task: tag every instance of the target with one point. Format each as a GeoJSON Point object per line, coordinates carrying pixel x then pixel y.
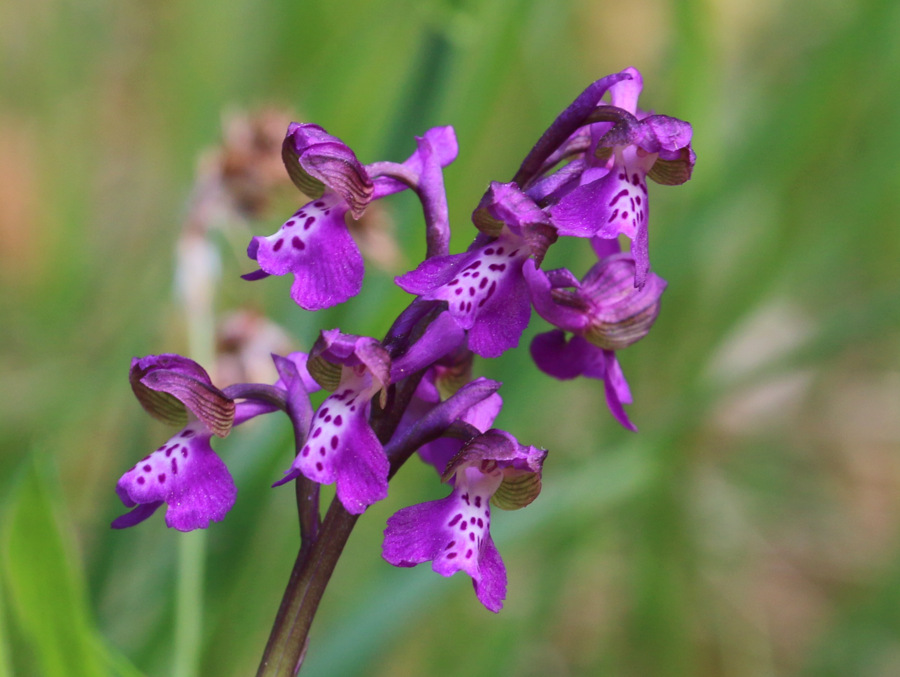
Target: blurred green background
{"type": "Point", "coordinates": [750, 528]}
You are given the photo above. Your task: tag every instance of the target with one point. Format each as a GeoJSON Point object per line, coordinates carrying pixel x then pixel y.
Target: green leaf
{"type": "Point", "coordinates": [43, 576]}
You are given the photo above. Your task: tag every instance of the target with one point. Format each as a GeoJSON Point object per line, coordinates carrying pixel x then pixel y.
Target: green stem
{"type": "Point", "coordinates": [189, 603]}
{"type": "Point", "coordinates": [287, 644]}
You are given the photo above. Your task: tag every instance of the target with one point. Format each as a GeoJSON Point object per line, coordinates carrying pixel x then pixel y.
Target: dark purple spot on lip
{"type": "Point", "coordinates": [499, 251]}
{"type": "Point", "coordinates": [483, 283]}
{"type": "Point", "coordinates": [169, 451]}
{"type": "Point", "coordinates": [638, 199]}
{"type": "Point", "coordinates": [635, 179]}
{"type": "Point", "coordinates": [498, 267]}
{"type": "Point", "coordinates": [463, 525]}
{"type": "Point", "coordinates": [491, 289]}
{"type": "Point", "coordinates": [174, 466]}
{"type": "Point", "coordinates": [613, 216]}
{"type": "Point", "coordinates": [318, 204]}
{"type": "Point", "coordinates": [480, 523]}
{"type": "Point", "coordinates": [622, 193]}
{"type": "Point", "coordinates": [289, 223]}
{"type": "Point", "coordinates": [305, 452]}
{"type": "Point", "coordinates": [321, 451]}
{"type": "Point", "coordinates": [328, 419]}
{"type": "Point", "coordinates": [451, 555]}
{"type": "Point", "coordinates": [622, 177]}
{"type": "Point", "coordinates": [449, 545]}
{"type": "Point", "coordinates": [187, 433]}
{"type": "Point", "coordinates": [140, 480]}
{"type": "Point", "coordinates": [513, 253]}
{"type": "Point", "coordinates": [309, 221]}
{"type": "Point", "coordinates": [148, 468]}
{"type": "Point", "coordinates": [471, 291]}
{"type": "Point", "coordinates": [146, 457]}
{"type": "Point", "coordinates": [184, 452]}
{"type": "Point", "coordinates": [338, 420]}
{"type": "Point", "coordinates": [334, 442]}
{"type": "Point", "coordinates": [278, 245]}
{"type": "Point", "coordinates": [453, 282]}
{"type": "Point", "coordinates": [458, 291]}
{"type": "Point", "coordinates": [162, 478]}
{"type": "Point", "coordinates": [471, 535]}
{"type": "Point", "coordinates": [320, 467]}
{"type": "Point", "coordinates": [489, 251]}
{"type": "Point", "coordinates": [297, 243]}
{"type": "Point", "coordinates": [624, 215]}
{"type": "Point", "coordinates": [478, 501]}
{"type": "Point", "coordinates": [456, 518]}
{"type": "Point", "coordinates": [468, 554]}
{"type": "Point", "coordinates": [323, 413]}
{"type": "Point", "coordinates": [316, 433]}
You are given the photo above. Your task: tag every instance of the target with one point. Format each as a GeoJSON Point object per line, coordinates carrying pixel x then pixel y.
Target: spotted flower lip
{"type": "Point", "coordinates": [454, 532]}
{"type": "Point", "coordinates": [314, 244]}
{"type": "Point", "coordinates": [610, 196]}
{"type": "Point", "coordinates": [187, 475]}
{"type": "Point", "coordinates": [483, 287]}
{"type": "Point", "coordinates": [169, 386]}
{"type": "Point", "coordinates": [341, 447]}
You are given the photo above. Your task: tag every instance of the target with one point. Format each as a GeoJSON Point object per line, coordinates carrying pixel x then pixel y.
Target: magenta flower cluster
{"type": "Point", "coordinates": [410, 392]}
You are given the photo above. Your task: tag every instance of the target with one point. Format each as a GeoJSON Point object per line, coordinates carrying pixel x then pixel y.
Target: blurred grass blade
{"type": "Point", "coordinates": [43, 577]}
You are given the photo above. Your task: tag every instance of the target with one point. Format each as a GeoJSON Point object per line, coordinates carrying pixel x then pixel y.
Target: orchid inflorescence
{"type": "Point", "coordinates": [412, 392]}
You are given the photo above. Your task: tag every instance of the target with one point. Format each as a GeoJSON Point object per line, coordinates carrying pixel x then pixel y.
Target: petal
{"type": "Point", "coordinates": [566, 360]}
{"type": "Point", "coordinates": [624, 93]}
{"type": "Point", "coordinates": [617, 391]}
{"type": "Point", "coordinates": [315, 160]}
{"type": "Point", "coordinates": [539, 288]}
{"type": "Point", "coordinates": [454, 533]}
{"type": "Point", "coordinates": [484, 289]}
{"type": "Point", "coordinates": [620, 314]}
{"type": "Point", "coordinates": [186, 474]}
{"type": "Point", "coordinates": [491, 588]}
{"type": "Point", "coordinates": [442, 336]}
{"type": "Point", "coordinates": [169, 385]}
{"type": "Point", "coordinates": [480, 416]}
{"type": "Point", "coordinates": [314, 245]}
{"type": "Point", "coordinates": [342, 448]}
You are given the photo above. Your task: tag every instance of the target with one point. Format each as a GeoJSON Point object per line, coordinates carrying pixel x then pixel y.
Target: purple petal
{"type": "Point", "coordinates": [342, 448]}
{"type": "Point", "coordinates": [484, 289]}
{"type": "Point", "coordinates": [491, 589]}
{"type": "Point", "coordinates": [186, 474]}
{"type": "Point", "coordinates": [167, 385]}
{"type": "Point", "coordinates": [539, 287]}
{"type": "Point", "coordinates": [454, 533]}
{"type": "Point", "coordinates": [314, 158]}
{"type": "Point", "coordinates": [617, 391]}
{"type": "Point", "coordinates": [136, 516]}
{"type": "Point", "coordinates": [576, 357]}
{"type": "Point", "coordinates": [315, 245]}
{"type": "Point", "coordinates": [565, 360]}
{"type": "Point", "coordinates": [442, 336]}
{"type": "Point", "coordinates": [624, 93]}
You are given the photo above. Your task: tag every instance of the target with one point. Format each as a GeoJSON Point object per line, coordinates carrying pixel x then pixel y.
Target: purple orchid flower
{"type": "Point", "coordinates": [610, 195]}
{"type": "Point", "coordinates": [187, 475]}
{"type": "Point", "coordinates": [454, 532]}
{"type": "Point", "coordinates": [484, 287]}
{"type": "Point", "coordinates": [184, 473]}
{"type": "Point", "coordinates": [314, 244]}
{"type": "Point", "coordinates": [341, 447]}
{"type": "Point", "coordinates": [604, 311]}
